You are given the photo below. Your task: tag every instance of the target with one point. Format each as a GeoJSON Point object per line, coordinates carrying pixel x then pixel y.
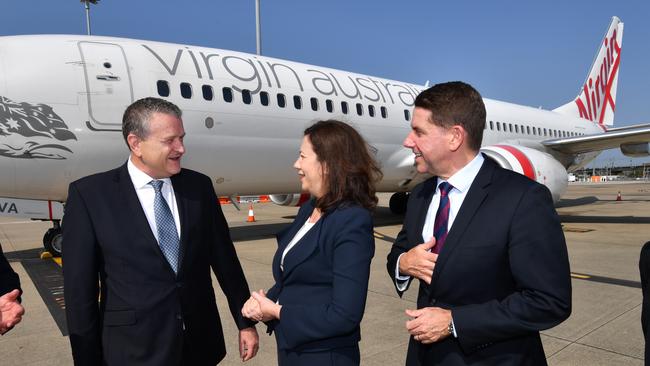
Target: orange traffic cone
{"type": "Point", "coordinates": [251, 214]}
{"type": "Point", "coordinates": [618, 196]}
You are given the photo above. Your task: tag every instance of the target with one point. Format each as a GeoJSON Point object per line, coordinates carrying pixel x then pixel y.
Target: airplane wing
{"type": "Point", "coordinates": [611, 139]}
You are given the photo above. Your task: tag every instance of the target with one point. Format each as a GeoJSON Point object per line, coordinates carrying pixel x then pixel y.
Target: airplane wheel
{"type": "Point", "coordinates": [53, 241]}
{"type": "Point", "coordinates": [397, 203]}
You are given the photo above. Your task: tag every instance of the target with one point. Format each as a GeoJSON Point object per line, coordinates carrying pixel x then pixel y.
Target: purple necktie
{"type": "Point", "coordinates": [442, 217]}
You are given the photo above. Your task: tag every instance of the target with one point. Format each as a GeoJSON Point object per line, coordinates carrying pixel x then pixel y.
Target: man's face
{"type": "Point", "coordinates": [159, 154]}
{"type": "Point", "coordinates": [429, 142]}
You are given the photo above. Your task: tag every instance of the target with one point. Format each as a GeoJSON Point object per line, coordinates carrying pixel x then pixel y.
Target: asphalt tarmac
{"type": "Point", "coordinates": [604, 238]}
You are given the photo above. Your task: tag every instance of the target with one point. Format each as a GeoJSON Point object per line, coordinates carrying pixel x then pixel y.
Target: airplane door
{"type": "Point", "coordinates": [108, 84]}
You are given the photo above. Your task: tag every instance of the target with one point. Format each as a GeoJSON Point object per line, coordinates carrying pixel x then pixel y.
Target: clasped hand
{"type": "Point", "coordinates": [11, 312]}
{"type": "Point", "coordinates": [419, 261]}
{"type": "Point", "coordinates": [428, 325]}
{"type": "Point", "coordinates": [260, 308]}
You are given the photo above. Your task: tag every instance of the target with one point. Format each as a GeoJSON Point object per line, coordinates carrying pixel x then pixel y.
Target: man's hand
{"type": "Point", "coordinates": [269, 309]}
{"type": "Point", "coordinates": [428, 324]}
{"type": "Point", "coordinates": [419, 261]}
{"type": "Point", "coordinates": [11, 312]}
{"type": "Point", "coordinates": [249, 343]}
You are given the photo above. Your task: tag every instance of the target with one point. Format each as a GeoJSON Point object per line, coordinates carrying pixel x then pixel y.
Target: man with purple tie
{"type": "Point", "coordinates": [485, 244]}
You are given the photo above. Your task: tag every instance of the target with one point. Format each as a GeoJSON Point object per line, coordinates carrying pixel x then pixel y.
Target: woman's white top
{"type": "Point", "coordinates": [303, 230]}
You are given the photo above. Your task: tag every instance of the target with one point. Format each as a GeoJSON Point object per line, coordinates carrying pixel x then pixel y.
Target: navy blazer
{"type": "Point", "coordinates": [503, 271]}
{"type": "Point", "coordinates": [324, 284]}
{"type": "Point", "coordinates": [146, 314]}
{"type": "Point", "coordinates": [9, 280]}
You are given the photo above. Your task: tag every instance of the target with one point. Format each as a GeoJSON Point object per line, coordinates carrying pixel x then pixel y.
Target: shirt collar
{"type": "Point", "coordinates": [463, 178]}
{"type": "Point", "coordinates": [139, 178]}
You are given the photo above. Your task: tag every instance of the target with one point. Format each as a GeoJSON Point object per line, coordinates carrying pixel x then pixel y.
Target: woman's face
{"type": "Point", "coordinates": [310, 170]}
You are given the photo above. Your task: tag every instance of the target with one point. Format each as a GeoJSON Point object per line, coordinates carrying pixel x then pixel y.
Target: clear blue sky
{"type": "Point", "coordinates": [532, 53]}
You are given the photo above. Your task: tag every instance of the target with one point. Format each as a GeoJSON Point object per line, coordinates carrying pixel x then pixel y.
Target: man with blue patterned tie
{"type": "Point", "coordinates": [139, 243]}
{"type": "Point", "coordinates": [485, 244]}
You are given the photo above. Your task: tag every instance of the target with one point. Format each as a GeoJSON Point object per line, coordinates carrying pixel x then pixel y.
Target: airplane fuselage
{"type": "Point", "coordinates": [244, 114]}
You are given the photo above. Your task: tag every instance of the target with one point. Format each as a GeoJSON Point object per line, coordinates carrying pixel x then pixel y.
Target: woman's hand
{"type": "Point", "coordinates": [269, 310]}
{"type": "Point", "coordinates": [251, 310]}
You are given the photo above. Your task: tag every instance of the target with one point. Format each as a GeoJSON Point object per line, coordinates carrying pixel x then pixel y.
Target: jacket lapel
{"type": "Point", "coordinates": [424, 200]}
{"type": "Point", "coordinates": [130, 200]}
{"type": "Point", "coordinates": [182, 203]}
{"type": "Point", "coordinates": [137, 219]}
{"type": "Point", "coordinates": [303, 248]}
{"type": "Point", "coordinates": [475, 197]}
{"type": "Point", "coordinates": [284, 238]}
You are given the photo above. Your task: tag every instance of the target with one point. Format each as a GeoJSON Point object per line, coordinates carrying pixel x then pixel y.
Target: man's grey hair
{"type": "Point", "coordinates": [137, 115]}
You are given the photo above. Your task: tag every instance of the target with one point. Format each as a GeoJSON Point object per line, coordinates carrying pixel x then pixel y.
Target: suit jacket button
{"type": "Point", "coordinates": [179, 317]}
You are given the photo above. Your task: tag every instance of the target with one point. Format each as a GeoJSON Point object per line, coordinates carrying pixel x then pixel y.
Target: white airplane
{"type": "Point", "coordinates": [62, 99]}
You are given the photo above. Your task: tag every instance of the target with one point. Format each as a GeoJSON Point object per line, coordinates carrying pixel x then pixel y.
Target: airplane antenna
{"type": "Point", "coordinates": [258, 28]}
{"type": "Point", "coordinates": [87, 4]}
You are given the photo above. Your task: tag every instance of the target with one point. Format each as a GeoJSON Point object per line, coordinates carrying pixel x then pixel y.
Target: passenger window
{"type": "Point", "coordinates": [344, 107]}
{"type": "Point", "coordinates": [207, 92]}
{"type": "Point", "coordinates": [163, 88]}
{"type": "Point", "coordinates": [246, 96]}
{"type": "Point", "coordinates": [186, 90]}
{"type": "Point", "coordinates": [498, 126]}
{"type": "Point", "coordinates": [227, 94]}
{"type": "Point", "coordinates": [491, 125]}
{"type": "Point", "coordinates": [371, 110]}
{"type": "Point", "coordinates": [264, 98]}
{"type": "Point", "coordinates": [384, 112]}
{"type": "Point", "coordinates": [297, 102]}
{"type": "Point", "coordinates": [407, 115]}
{"type": "Point", "coordinates": [282, 101]}
{"type": "Point", "coordinates": [528, 130]}
{"type": "Point", "coordinates": [516, 128]}
{"type": "Point", "coordinates": [314, 104]}
{"type": "Point", "coordinates": [359, 109]}
{"type": "Point", "coordinates": [329, 105]}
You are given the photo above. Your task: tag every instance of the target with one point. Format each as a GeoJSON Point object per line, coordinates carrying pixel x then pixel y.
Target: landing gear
{"type": "Point", "coordinates": [53, 239]}
{"type": "Point", "coordinates": [397, 203]}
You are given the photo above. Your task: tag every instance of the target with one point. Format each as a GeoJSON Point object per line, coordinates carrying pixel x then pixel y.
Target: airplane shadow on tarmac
{"type": "Point", "coordinates": [382, 217]}
{"type": "Point", "coordinates": [597, 219]}
{"type": "Point", "coordinates": [604, 219]}
{"type": "Point", "coordinates": [576, 201]}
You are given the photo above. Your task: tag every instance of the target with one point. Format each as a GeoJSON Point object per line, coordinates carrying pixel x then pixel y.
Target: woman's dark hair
{"type": "Point", "coordinates": [350, 171]}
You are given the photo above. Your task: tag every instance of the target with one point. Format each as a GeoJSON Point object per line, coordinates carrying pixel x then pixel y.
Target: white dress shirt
{"type": "Point", "coordinates": [461, 181]}
{"type": "Point", "coordinates": [146, 195]}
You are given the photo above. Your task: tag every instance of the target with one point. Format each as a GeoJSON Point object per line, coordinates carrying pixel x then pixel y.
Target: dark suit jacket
{"type": "Point", "coordinates": [8, 278]}
{"type": "Point", "coordinates": [323, 287]}
{"type": "Point", "coordinates": [146, 314]}
{"type": "Point", "coordinates": [503, 271]}
{"type": "Point", "coordinates": [644, 270]}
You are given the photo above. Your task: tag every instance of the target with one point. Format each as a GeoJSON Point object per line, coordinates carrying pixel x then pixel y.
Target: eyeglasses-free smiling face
{"type": "Point", "coordinates": [429, 142]}
{"type": "Point", "coordinates": [310, 170]}
{"type": "Point", "coordinates": [159, 153]}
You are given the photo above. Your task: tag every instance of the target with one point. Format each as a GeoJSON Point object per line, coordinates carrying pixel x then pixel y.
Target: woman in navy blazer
{"type": "Point", "coordinates": [322, 264]}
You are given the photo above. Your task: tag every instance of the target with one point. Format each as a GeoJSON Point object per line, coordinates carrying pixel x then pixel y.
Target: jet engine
{"type": "Point", "coordinates": [295, 199]}
{"type": "Point", "coordinates": [636, 150]}
{"type": "Point", "coordinates": [536, 165]}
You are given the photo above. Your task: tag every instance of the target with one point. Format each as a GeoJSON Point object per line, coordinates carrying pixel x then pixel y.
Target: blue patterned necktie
{"type": "Point", "coordinates": [167, 233]}
{"type": "Point", "coordinates": [442, 217]}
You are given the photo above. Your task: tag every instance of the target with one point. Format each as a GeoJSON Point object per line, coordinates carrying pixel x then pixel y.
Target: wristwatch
{"type": "Point", "coordinates": [450, 328]}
